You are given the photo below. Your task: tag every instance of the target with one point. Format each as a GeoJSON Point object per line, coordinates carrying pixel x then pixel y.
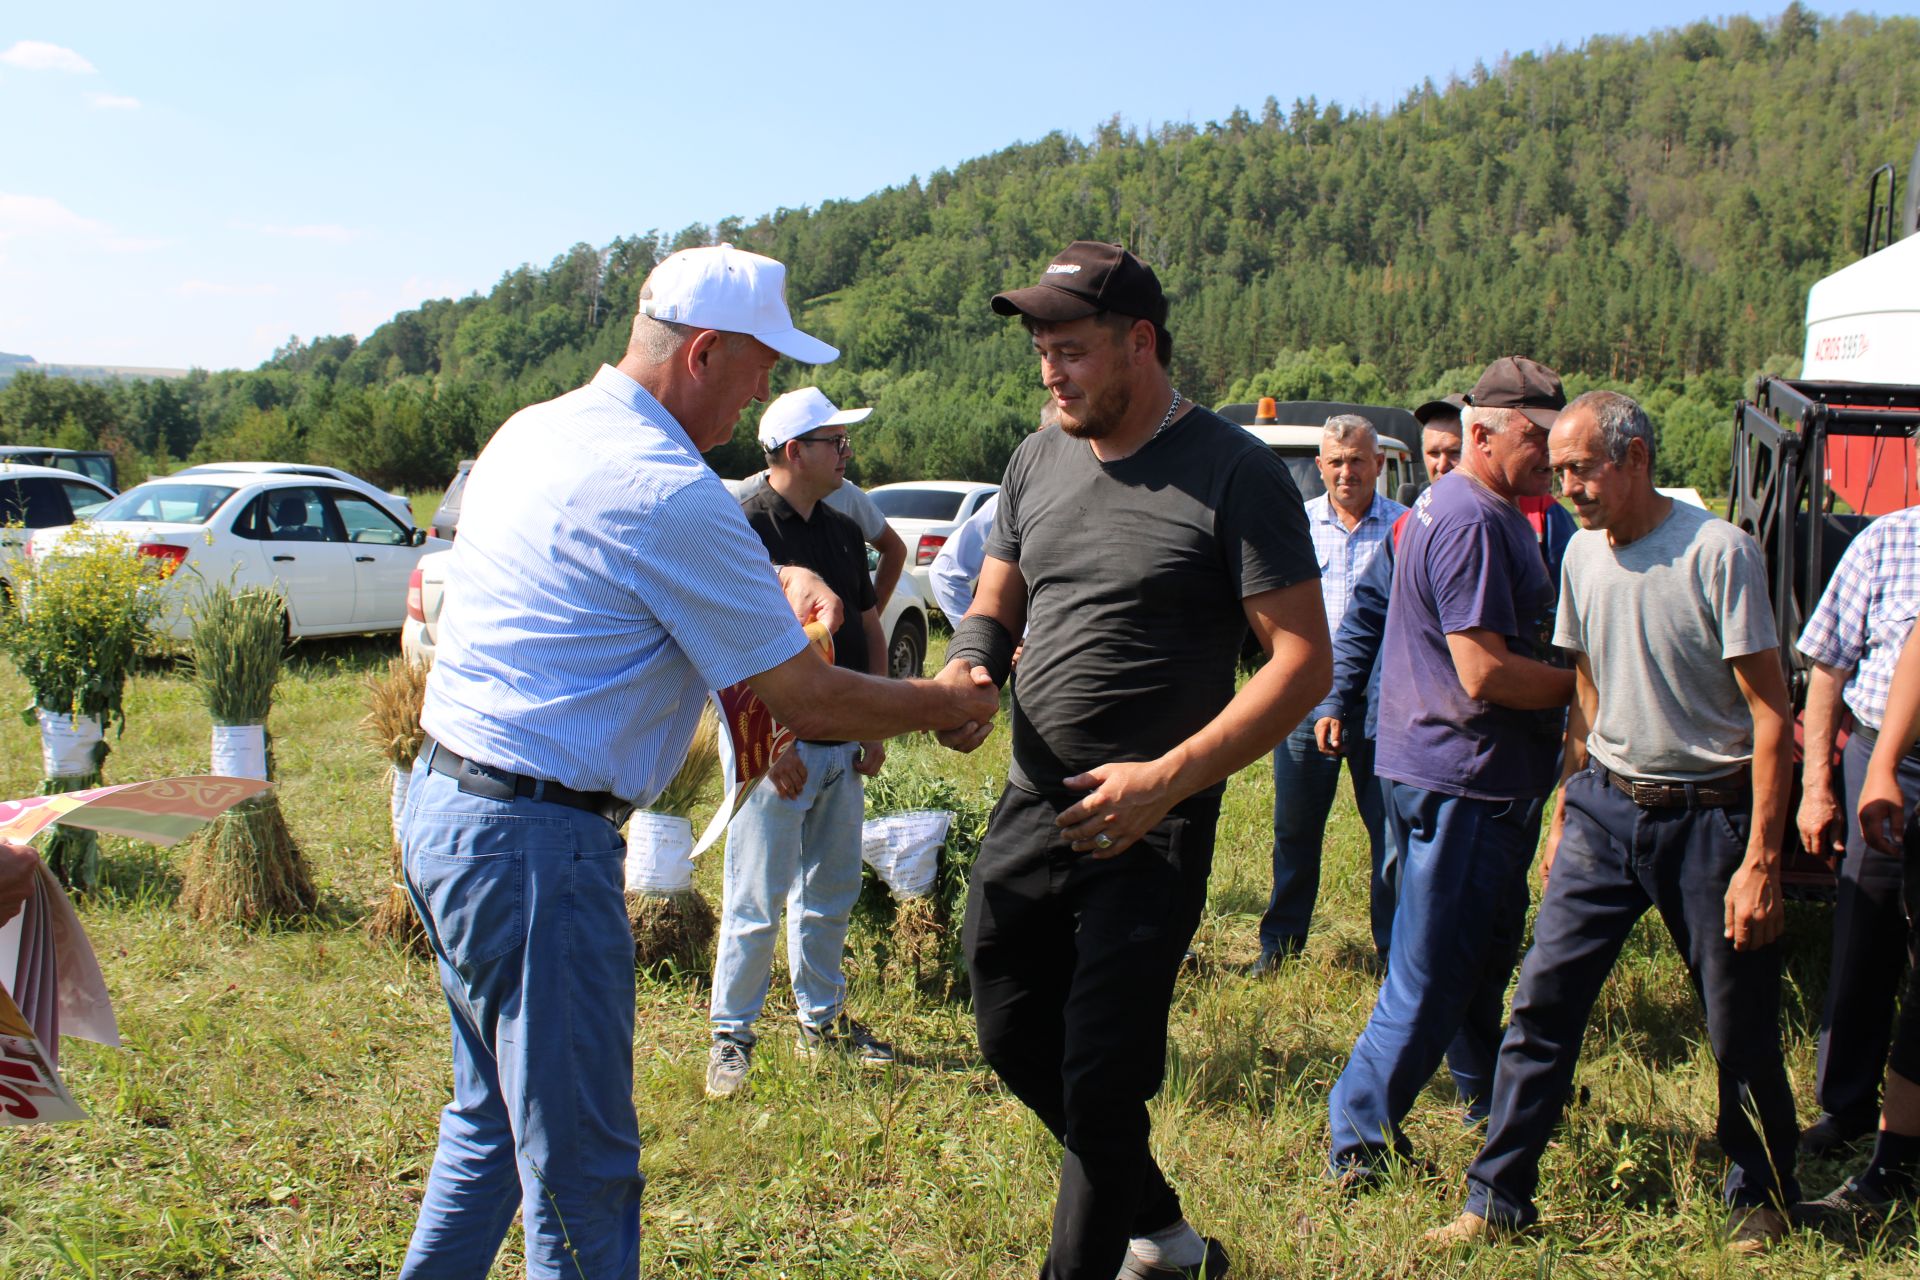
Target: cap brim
{"type": "Point", "coordinates": [1542, 418]}
{"type": "Point", "coordinates": [846, 417]}
{"type": "Point", "coordinates": [800, 346]}
{"type": "Point", "coordinates": [1044, 303]}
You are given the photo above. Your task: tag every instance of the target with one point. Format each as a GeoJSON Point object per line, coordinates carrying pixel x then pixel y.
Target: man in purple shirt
{"type": "Point", "coordinates": [1470, 720]}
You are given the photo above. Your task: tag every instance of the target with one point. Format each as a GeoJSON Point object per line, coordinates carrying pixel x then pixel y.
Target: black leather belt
{"type": "Point", "coordinates": [1729, 791]}
{"type": "Point", "coordinates": [478, 779]}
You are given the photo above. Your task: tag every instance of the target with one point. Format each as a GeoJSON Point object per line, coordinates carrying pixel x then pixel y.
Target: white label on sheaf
{"type": "Point", "coordinates": [904, 848]}
{"type": "Point", "coordinates": [397, 800]}
{"type": "Point", "coordinates": [659, 853]}
{"type": "Point", "coordinates": [67, 743]}
{"type": "Point", "coordinates": [240, 751]}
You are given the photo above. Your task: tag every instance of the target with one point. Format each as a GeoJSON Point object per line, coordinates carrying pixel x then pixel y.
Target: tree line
{"type": "Point", "coordinates": [1645, 213]}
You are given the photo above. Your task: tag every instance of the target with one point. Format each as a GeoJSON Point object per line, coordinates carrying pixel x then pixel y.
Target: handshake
{"type": "Point", "coordinates": [975, 702]}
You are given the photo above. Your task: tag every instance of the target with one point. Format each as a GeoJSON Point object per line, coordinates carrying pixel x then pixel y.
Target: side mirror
{"type": "Point", "coordinates": [416, 537]}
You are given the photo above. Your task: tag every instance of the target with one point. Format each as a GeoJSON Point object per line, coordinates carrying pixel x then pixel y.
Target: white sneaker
{"type": "Point", "coordinates": [727, 1064]}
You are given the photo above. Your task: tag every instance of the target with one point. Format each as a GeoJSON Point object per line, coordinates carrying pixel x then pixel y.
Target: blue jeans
{"type": "Point", "coordinates": [804, 852]}
{"type": "Point", "coordinates": [1615, 860]}
{"type": "Point", "coordinates": [1462, 873]}
{"type": "Point", "coordinates": [522, 904]}
{"type": "Point", "coordinates": [1304, 782]}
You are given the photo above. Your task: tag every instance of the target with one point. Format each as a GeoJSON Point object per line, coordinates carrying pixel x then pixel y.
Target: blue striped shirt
{"type": "Point", "coordinates": [604, 579]}
{"type": "Point", "coordinates": [1344, 553]}
{"type": "Point", "coordinates": [1867, 610]}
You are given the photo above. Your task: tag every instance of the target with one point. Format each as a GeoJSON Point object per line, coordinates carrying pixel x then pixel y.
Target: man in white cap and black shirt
{"type": "Point", "coordinates": [604, 580]}
{"type": "Point", "coordinates": [1135, 545]}
{"type": "Point", "coordinates": [796, 840]}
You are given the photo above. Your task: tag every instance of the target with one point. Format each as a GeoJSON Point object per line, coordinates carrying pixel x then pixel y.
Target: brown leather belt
{"type": "Point", "coordinates": [1729, 791]}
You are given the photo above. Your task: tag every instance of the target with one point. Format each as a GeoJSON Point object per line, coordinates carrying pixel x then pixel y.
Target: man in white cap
{"type": "Point", "coordinates": [603, 582]}
{"type": "Point", "coordinates": [797, 838]}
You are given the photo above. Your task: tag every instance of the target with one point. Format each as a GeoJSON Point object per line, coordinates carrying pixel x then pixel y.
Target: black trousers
{"type": "Point", "coordinates": [1870, 934]}
{"type": "Point", "coordinates": [1615, 861]}
{"type": "Point", "coordinates": [1073, 960]}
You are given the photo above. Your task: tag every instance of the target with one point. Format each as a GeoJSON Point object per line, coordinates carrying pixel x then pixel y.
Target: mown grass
{"type": "Point", "coordinates": [273, 1111]}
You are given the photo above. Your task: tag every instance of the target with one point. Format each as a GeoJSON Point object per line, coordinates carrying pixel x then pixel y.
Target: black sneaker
{"type": "Point", "coordinates": [1829, 1135]}
{"type": "Point", "coordinates": [727, 1064]}
{"type": "Point", "coordinates": [1852, 1206]}
{"type": "Point", "coordinates": [846, 1036]}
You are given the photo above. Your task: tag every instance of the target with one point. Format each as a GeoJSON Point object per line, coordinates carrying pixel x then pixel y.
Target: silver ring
{"type": "Point", "coordinates": [1103, 841]}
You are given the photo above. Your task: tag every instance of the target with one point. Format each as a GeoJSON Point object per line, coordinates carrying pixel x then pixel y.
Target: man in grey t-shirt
{"type": "Point", "coordinates": [1674, 797]}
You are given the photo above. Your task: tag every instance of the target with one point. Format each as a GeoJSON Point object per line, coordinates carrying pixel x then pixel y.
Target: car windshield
{"type": "Point", "coordinates": [917, 504]}
{"type": "Point", "coordinates": [1306, 473]}
{"type": "Point", "coordinates": [168, 503]}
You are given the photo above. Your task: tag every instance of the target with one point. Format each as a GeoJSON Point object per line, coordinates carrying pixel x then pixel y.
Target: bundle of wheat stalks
{"type": "Point", "coordinates": [674, 929]}
{"type": "Point", "coordinates": [245, 867]}
{"type": "Point", "coordinates": [394, 699]}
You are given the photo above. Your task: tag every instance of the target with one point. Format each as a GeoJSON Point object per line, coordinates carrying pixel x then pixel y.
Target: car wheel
{"type": "Point", "coordinates": [907, 651]}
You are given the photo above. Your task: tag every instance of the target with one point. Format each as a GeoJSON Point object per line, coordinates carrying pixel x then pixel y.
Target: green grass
{"type": "Point", "coordinates": [273, 1111]}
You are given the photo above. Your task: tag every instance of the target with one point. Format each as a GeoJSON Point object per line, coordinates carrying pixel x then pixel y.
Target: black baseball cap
{"type": "Point", "coordinates": [1088, 277]}
{"type": "Point", "coordinates": [1515, 382]}
{"type": "Point", "coordinates": [1444, 407]}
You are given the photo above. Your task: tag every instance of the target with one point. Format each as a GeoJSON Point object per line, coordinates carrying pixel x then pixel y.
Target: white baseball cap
{"type": "Point", "coordinates": [798, 412]}
{"type": "Point", "coordinates": [721, 287]}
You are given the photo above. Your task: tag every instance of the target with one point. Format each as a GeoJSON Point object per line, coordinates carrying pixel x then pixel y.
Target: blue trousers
{"type": "Point", "coordinates": [1462, 878]}
{"type": "Point", "coordinates": [1304, 783]}
{"type": "Point", "coordinates": [804, 853]}
{"type": "Point", "coordinates": [522, 903]}
{"type": "Point", "coordinates": [1869, 927]}
{"type": "Point", "coordinates": [1615, 861]}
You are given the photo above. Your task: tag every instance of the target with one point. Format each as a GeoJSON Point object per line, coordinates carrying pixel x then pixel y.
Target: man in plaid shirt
{"type": "Point", "coordinates": [1854, 639]}
{"type": "Point", "coordinates": [1350, 523]}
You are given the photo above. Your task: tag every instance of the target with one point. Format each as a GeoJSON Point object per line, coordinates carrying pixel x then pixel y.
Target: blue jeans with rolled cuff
{"type": "Point", "coordinates": [803, 853]}
{"type": "Point", "coordinates": [1616, 860]}
{"type": "Point", "coordinates": [1461, 866]}
{"type": "Point", "coordinates": [522, 903]}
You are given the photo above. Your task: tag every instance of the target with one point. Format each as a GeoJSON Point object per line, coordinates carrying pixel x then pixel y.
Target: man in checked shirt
{"type": "Point", "coordinates": [1350, 523]}
{"type": "Point", "coordinates": [1853, 639]}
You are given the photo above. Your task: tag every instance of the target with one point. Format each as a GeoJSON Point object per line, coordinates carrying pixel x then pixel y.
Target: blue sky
{"type": "Point", "coordinates": [189, 183]}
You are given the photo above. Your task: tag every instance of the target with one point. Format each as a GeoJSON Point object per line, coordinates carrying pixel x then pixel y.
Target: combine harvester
{"type": "Point", "coordinates": [1817, 457]}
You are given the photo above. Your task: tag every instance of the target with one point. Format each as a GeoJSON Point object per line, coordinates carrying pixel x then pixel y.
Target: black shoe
{"type": "Point", "coordinates": [1829, 1135]}
{"type": "Point", "coordinates": [1270, 963]}
{"type": "Point", "coordinates": [1213, 1268]}
{"type": "Point", "coordinates": [1851, 1206]}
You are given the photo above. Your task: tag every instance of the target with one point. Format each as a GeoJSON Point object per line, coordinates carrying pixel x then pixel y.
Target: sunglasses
{"type": "Point", "coordinates": [841, 444]}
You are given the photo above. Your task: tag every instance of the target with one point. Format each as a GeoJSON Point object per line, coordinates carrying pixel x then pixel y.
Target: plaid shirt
{"type": "Point", "coordinates": [1344, 554]}
{"type": "Point", "coordinates": [1867, 610]}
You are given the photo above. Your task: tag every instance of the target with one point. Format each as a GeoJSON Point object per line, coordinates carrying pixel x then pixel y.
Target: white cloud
{"type": "Point", "coordinates": [113, 102]}
{"type": "Point", "coordinates": [217, 289]}
{"type": "Point", "coordinates": [328, 232]}
{"type": "Point", "coordinates": [38, 55]}
{"type": "Point", "coordinates": [42, 215]}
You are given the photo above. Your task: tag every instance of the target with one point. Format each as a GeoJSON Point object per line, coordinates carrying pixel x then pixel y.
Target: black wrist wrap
{"type": "Point", "coordinates": [983, 642]}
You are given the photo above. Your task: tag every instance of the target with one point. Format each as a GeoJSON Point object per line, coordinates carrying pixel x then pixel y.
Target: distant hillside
{"type": "Point", "coordinates": [1646, 212]}
{"type": "Point", "coordinates": [11, 365]}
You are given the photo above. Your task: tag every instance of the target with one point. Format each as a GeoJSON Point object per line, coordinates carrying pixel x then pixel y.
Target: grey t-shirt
{"type": "Point", "coordinates": [1658, 619]}
{"type": "Point", "coordinates": [850, 500]}
{"type": "Point", "coordinates": [1135, 572]}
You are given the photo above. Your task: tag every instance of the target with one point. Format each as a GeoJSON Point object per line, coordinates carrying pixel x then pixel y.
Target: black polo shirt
{"type": "Point", "coordinates": [829, 544]}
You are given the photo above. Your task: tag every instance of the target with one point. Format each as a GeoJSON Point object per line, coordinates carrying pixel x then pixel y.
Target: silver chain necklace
{"type": "Point", "coordinates": [1164, 422]}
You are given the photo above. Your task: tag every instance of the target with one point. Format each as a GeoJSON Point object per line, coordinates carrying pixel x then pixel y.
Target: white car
{"type": "Point", "coordinates": [925, 513]}
{"type": "Point", "coordinates": [398, 505]}
{"type": "Point", "coordinates": [903, 621]}
{"type": "Point", "coordinates": [341, 559]}
{"type": "Point", "coordinates": [36, 498]}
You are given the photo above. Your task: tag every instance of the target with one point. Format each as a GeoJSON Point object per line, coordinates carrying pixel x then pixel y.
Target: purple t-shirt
{"type": "Point", "coordinates": [1468, 559]}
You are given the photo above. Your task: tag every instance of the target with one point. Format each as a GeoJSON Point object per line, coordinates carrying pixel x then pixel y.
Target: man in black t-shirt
{"type": "Point", "coordinates": [796, 840]}
{"type": "Point", "coordinates": [1135, 545]}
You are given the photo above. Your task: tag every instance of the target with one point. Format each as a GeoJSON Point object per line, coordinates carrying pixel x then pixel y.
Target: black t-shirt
{"type": "Point", "coordinates": [829, 544]}
{"type": "Point", "coordinates": [1135, 571]}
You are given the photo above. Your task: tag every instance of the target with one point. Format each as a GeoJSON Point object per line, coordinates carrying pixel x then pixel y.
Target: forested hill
{"type": "Point", "coordinates": [1644, 212]}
